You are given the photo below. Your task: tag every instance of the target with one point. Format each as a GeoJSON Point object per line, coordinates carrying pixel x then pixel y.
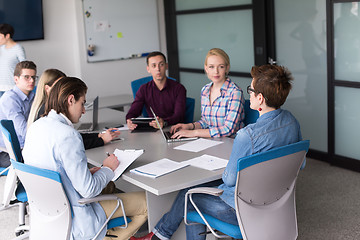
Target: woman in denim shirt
{"type": "Point", "coordinates": [274, 128]}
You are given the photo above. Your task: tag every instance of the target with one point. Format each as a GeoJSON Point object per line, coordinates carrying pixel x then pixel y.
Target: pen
{"type": "Point", "coordinates": [108, 154]}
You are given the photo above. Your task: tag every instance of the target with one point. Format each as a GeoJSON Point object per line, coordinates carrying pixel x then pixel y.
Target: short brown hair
{"type": "Point", "coordinates": [154, 54]}
{"type": "Point", "coordinates": [60, 92]}
{"type": "Point", "coordinates": [24, 65]}
{"type": "Point", "coordinates": [273, 82]}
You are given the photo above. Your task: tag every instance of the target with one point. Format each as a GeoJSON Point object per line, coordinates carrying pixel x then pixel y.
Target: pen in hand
{"type": "Point", "coordinates": [108, 154]}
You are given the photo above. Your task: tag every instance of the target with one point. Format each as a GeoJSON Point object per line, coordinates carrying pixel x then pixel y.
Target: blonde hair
{"type": "Point", "coordinates": [218, 52]}
{"type": "Point", "coordinates": [49, 77]}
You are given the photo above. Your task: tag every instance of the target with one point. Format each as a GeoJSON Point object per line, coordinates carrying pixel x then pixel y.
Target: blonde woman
{"type": "Point", "coordinates": [47, 79]}
{"type": "Point", "coordinates": [46, 82]}
{"type": "Point", "coordinates": [222, 102]}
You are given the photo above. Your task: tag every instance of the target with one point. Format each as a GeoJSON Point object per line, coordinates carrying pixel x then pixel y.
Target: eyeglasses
{"type": "Point", "coordinates": [249, 90]}
{"type": "Point", "coordinates": [28, 77]}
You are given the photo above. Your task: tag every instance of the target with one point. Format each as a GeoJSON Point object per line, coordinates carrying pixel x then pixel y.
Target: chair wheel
{"type": "Point", "coordinates": [21, 232]}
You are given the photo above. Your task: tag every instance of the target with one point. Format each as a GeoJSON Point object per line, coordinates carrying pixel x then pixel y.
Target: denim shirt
{"type": "Point", "coordinates": [52, 143]}
{"type": "Point", "coordinates": [273, 129]}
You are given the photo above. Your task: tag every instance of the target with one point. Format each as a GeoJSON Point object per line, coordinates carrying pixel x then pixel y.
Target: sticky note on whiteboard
{"type": "Point", "coordinates": [119, 35]}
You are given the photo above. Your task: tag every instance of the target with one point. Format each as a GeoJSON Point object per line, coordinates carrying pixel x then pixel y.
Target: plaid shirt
{"type": "Point", "coordinates": [226, 115]}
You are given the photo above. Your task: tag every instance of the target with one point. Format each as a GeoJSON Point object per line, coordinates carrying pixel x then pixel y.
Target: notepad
{"type": "Point", "coordinates": [208, 162]}
{"type": "Point", "coordinates": [158, 168]}
{"type": "Point", "coordinates": [126, 157]}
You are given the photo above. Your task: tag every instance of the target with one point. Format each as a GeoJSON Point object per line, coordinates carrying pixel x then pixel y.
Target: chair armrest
{"type": "Point", "coordinates": [206, 190]}
{"type": "Point", "coordinates": [98, 198]}
{"type": "Point", "coordinates": [105, 198]}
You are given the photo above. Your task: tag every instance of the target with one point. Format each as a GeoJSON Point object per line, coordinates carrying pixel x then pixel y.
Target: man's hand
{"type": "Point", "coordinates": [154, 124]}
{"type": "Point", "coordinates": [130, 124]}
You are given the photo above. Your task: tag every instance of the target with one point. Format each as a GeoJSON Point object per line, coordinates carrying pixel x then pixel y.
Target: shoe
{"type": "Point", "coordinates": [146, 237]}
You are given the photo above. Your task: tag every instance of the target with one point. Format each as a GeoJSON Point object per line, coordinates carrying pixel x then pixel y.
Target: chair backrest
{"type": "Point", "coordinates": [265, 192]}
{"type": "Point", "coordinates": [250, 115]}
{"type": "Point", "coordinates": [48, 203]}
{"type": "Point", "coordinates": [190, 108]}
{"type": "Point", "coordinates": [11, 140]}
{"type": "Point", "coordinates": [135, 85]}
{"type": "Point", "coordinates": [190, 102]}
{"type": "Point", "coordinates": [13, 148]}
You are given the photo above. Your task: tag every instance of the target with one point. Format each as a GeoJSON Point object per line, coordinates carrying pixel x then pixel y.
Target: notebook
{"type": "Point", "coordinates": [88, 127]}
{"type": "Point", "coordinates": [167, 135]}
{"type": "Point", "coordinates": [159, 168]}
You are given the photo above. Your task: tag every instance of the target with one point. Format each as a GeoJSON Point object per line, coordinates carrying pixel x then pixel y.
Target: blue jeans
{"type": "Point", "coordinates": [208, 204]}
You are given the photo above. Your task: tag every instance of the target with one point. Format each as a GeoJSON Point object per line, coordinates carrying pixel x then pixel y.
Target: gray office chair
{"type": "Point", "coordinates": [50, 210]}
{"type": "Point", "coordinates": [264, 196]}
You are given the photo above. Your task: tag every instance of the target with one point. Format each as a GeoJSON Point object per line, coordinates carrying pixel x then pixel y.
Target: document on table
{"type": "Point", "coordinates": [198, 145]}
{"type": "Point", "coordinates": [207, 162]}
{"type": "Point", "coordinates": [125, 157]}
{"type": "Point", "coordinates": [158, 168]}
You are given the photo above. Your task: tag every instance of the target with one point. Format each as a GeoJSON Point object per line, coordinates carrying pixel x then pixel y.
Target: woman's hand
{"type": "Point", "coordinates": [111, 162]}
{"type": "Point", "coordinates": [109, 135]}
{"type": "Point", "coordinates": [180, 126]}
{"type": "Point", "coordinates": [184, 133]}
{"type": "Point", "coordinates": [94, 169]}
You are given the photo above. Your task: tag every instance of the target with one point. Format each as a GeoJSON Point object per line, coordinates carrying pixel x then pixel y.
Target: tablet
{"type": "Point", "coordinates": [143, 124]}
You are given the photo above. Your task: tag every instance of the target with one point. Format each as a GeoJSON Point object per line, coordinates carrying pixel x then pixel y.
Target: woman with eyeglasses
{"type": "Point", "coordinates": [274, 128]}
{"type": "Point", "coordinates": [222, 102]}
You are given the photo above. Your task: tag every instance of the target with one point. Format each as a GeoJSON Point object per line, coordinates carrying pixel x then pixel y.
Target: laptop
{"type": "Point", "coordinates": [90, 126]}
{"type": "Point", "coordinates": [167, 135]}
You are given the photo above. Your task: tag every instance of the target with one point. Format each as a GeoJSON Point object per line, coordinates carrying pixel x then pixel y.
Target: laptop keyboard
{"type": "Point", "coordinates": [168, 135]}
{"type": "Point", "coordinates": [85, 126]}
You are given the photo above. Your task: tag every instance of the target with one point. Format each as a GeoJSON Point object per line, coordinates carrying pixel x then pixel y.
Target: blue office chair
{"type": "Point", "coordinates": [50, 210]}
{"type": "Point", "coordinates": [13, 148]}
{"type": "Point", "coordinates": [4, 171]}
{"type": "Point", "coordinates": [264, 196]}
{"type": "Point", "coordinates": [250, 115]}
{"type": "Point", "coordinates": [190, 102]}
{"type": "Point", "coordinates": [135, 85]}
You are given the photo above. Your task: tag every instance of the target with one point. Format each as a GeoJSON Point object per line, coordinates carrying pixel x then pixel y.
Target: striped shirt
{"type": "Point", "coordinates": [226, 115]}
{"type": "Point", "coordinates": [9, 57]}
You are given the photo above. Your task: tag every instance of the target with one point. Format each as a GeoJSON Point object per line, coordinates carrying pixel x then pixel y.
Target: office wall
{"type": "Point", "coordinates": [64, 48]}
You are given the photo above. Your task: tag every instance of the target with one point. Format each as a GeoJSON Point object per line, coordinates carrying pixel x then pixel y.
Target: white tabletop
{"type": "Point", "coordinates": [155, 149]}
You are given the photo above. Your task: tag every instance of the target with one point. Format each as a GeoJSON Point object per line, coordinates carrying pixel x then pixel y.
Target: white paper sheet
{"type": "Point", "coordinates": [198, 145]}
{"type": "Point", "coordinates": [158, 168]}
{"type": "Point", "coordinates": [126, 157]}
{"type": "Point", "coordinates": [207, 162]}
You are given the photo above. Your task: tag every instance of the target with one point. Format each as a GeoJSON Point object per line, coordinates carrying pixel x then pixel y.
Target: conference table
{"type": "Point", "coordinates": [161, 191]}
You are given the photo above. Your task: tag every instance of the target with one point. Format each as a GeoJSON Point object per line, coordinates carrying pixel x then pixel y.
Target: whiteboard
{"type": "Point", "coordinates": [120, 29]}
